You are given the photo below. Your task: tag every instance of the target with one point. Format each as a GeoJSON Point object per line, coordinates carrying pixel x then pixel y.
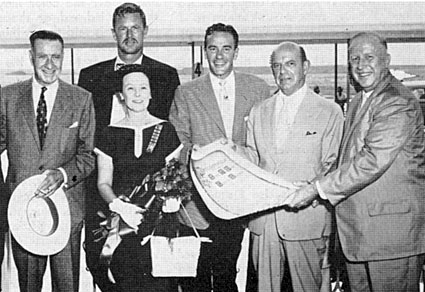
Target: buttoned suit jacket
{"type": "Point", "coordinates": [379, 186]}
{"type": "Point", "coordinates": [68, 144]}
{"type": "Point", "coordinates": [308, 152]}
{"type": "Point", "coordinates": [196, 116]}
{"type": "Point", "coordinates": [163, 81]}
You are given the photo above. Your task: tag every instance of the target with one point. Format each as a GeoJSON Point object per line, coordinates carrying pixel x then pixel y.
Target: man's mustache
{"type": "Point", "coordinates": [130, 39]}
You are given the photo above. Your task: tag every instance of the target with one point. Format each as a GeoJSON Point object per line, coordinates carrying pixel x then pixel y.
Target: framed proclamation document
{"type": "Point", "coordinates": [231, 186]}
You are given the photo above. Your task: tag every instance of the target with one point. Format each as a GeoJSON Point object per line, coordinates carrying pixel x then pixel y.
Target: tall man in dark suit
{"type": "Point", "coordinates": [129, 29]}
{"type": "Point", "coordinates": [208, 108]}
{"type": "Point", "coordinates": [47, 127]}
{"type": "Point", "coordinates": [379, 186]}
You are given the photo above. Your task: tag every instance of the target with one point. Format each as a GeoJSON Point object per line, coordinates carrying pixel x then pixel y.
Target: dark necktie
{"type": "Point", "coordinates": [42, 117]}
{"type": "Point", "coordinates": [118, 66]}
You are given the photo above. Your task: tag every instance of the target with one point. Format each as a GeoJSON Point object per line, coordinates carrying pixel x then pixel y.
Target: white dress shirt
{"type": "Point", "coordinates": [285, 111]}
{"type": "Point", "coordinates": [225, 96]}
{"type": "Point", "coordinates": [49, 96]}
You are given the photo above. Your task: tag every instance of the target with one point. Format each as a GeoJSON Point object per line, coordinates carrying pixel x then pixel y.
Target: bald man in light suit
{"type": "Point", "coordinates": [296, 135]}
{"type": "Point", "coordinates": [378, 189]}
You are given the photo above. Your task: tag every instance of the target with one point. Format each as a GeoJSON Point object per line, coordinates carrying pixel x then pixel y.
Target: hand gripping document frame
{"type": "Point", "coordinates": [232, 186]}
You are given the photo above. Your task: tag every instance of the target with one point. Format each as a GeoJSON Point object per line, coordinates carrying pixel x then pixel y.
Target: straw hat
{"type": "Point", "coordinates": [40, 225]}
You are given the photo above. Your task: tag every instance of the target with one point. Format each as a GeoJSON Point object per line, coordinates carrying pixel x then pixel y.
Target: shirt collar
{"type": "Point", "coordinates": [37, 86]}
{"type": "Point", "coordinates": [118, 60]}
{"type": "Point", "coordinates": [296, 96]}
{"type": "Point", "coordinates": [366, 95]}
{"type": "Point", "coordinates": [215, 80]}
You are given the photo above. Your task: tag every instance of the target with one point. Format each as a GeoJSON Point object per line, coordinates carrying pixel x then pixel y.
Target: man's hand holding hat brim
{"type": "Point", "coordinates": [54, 179]}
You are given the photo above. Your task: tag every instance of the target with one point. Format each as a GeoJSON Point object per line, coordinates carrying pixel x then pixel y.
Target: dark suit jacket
{"type": "Point", "coordinates": [196, 116]}
{"type": "Point", "coordinates": [96, 79]}
{"type": "Point", "coordinates": [379, 186]}
{"type": "Point", "coordinates": [69, 140]}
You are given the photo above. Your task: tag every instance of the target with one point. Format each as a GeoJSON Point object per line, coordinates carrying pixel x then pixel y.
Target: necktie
{"type": "Point", "coordinates": [42, 117]}
{"type": "Point", "coordinates": [223, 93]}
{"type": "Point", "coordinates": [226, 109]}
{"type": "Point", "coordinates": [118, 66]}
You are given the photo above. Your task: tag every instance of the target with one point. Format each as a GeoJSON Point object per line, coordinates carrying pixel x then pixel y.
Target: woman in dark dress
{"type": "Point", "coordinates": [127, 151]}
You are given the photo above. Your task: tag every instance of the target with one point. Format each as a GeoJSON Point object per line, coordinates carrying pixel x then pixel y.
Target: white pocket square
{"type": "Point", "coordinates": [74, 125]}
{"type": "Point", "coordinates": [245, 118]}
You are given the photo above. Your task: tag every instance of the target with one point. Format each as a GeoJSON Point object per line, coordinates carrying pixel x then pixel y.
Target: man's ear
{"type": "Point", "coordinates": [31, 56]}
{"type": "Point", "coordinates": [236, 54]}
{"type": "Point", "coordinates": [306, 67]}
{"type": "Point", "coordinates": [387, 60]}
{"type": "Point", "coordinates": [114, 34]}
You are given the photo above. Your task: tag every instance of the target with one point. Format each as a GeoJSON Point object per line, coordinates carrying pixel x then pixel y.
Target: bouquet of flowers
{"type": "Point", "coordinates": [172, 184]}
{"type": "Point", "coordinates": [161, 192]}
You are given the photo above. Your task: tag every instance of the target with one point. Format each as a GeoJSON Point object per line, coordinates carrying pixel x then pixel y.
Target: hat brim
{"type": "Point", "coordinates": [42, 226]}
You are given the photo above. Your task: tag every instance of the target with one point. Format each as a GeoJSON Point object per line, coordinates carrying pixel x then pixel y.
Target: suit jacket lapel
{"type": "Point", "coordinates": [305, 111]}
{"type": "Point", "coordinates": [209, 101]}
{"type": "Point", "coordinates": [268, 118]}
{"type": "Point", "coordinates": [352, 112]}
{"type": "Point", "coordinates": [28, 109]}
{"type": "Point", "coordinates": [58, 108]}
{"type": "Point", "coordinates": [241, 104]}
{"type": "Point", "coordinates": [358, 112]}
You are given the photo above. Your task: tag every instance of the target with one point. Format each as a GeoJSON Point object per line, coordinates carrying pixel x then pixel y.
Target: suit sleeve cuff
{"type": "Point", "coordinates": [65, 176]}
{"type": "Point", "coordinates": [320, 191]}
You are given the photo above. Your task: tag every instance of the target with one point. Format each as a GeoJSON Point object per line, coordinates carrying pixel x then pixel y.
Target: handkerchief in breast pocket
{"type": "Point", "coordinates": [74, 125]}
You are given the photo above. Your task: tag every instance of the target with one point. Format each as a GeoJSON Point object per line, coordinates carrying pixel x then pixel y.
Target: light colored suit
{"type": "Point", "coordinates": [68, 144]}
{"type": "Point", "coordinates": [379, 186]}
{"type": "Point", "coordinates": [196, 116]}
{"type": "Point", "coordinates": [309, 151]}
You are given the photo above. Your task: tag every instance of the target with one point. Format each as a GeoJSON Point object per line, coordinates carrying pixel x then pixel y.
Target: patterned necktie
{"type": "Point", "coordinates": [226, 109]}
{"type": "Point", "coordinates": [223, 93]}
{"type": "Point", "coordinates": [42, 117]}
{"type": "Point", "coordinates": [118, 66]}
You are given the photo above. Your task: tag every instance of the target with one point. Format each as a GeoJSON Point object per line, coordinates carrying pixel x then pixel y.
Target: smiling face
{"type": "Point", "coordinates": [369, 61]}
{"type": "Point", "coordinates": [129, 34]}
{"type": "Point", "coordinates": [136, 91]}
{"type": "Point", "coordinates": [221, 52]}
{"type": "Point", "coordinates": [289, 70]}
{"type": "Point", "coordinates": [46, 57]}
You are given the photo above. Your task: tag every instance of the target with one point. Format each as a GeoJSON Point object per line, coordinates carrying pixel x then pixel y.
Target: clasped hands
{"type": "Point", "coordinates": [304, 196]}
{"type": "Point", "coordinates": [131, 214]}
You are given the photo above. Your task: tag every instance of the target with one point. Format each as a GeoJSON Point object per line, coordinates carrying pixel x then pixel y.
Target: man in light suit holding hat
{"type": "Point", "coordinates": [47, 127]}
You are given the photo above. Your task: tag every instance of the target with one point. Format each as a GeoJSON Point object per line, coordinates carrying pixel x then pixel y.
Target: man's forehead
{"type": "Point", "coordinates": [288, 51]}
{"type": "Point", "coordinates": [369, 41]}
{"type": "Point", "coordinates": [48, 45]}
{"type": "Point", "coordinates": [221, 38]}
